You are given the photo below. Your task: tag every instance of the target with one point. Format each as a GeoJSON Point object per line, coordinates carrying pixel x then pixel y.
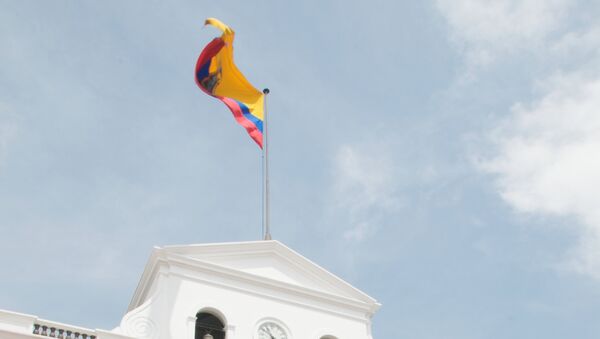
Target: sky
{"type": "Point", "coordinates": [442, 155]}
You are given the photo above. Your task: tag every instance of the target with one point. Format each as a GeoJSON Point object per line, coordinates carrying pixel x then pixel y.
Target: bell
{"type": "Point", "coordinates": [207, 336]}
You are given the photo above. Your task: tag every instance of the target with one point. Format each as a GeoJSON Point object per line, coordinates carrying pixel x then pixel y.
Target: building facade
{"type": "Point", "coordinates": [257, 290]}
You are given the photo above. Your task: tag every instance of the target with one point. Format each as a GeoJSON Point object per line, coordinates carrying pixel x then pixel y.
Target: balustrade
{"type": "Point", "coordinates": [54, 331]}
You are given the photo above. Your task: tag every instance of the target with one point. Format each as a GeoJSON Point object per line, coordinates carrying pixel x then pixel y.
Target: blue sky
{"type": "Point", "coordinates": [443, 156]}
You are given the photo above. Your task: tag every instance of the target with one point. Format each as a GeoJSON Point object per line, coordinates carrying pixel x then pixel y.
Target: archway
{"type": "Point", "coordinates": [207, 323]}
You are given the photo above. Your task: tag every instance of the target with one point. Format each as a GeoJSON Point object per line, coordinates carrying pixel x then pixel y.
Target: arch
{"type": "Point", "coordinates": [217, 313]}
{"type": "Point", "coordinates": [207, 322]}
{"type": "Point", "coordinates": [325, 333]}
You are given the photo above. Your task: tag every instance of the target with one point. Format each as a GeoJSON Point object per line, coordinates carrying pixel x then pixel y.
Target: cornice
{"type": "Point", "coordinates": [165, 260]}
{"type": "Point", "coordinates": [239, 249]}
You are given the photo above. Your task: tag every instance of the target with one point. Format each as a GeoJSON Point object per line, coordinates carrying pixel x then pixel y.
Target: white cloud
{"type": "Point", "coordinates": [578, 43]}
{"type": "Point", "coordinates": [363, 189]}
{"type": "Point", "coordinates": [548, 160]}
{"type": "Point", "coordinates": [485, 29]}
{"type": "Point", "coordinates": [546, 156]}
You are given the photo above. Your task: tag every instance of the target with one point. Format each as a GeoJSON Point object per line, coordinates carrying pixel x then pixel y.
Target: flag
{"type": "Point", "coordinates": [217, 75]}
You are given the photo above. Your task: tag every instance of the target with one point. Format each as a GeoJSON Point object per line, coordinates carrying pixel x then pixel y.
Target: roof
{"type": "Point", "coordinates": [265, 263]}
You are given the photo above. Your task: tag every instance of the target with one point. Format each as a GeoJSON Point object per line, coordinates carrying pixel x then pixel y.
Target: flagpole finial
{"type": "Point", "coordinates": [266, 91]}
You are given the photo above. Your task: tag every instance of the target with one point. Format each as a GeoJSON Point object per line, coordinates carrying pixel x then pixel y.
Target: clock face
{"type": "Point", "coordinates": [270, 330]}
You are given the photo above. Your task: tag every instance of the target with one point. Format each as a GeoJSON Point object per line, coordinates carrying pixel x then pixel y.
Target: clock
{"type": "Point", "coordinates": [270, 330]}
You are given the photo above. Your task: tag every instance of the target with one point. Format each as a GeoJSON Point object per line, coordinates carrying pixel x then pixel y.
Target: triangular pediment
{"type": "Point", "coordinates": [271, 260]}
{"type": "Point", "coordinates": [243, 283]}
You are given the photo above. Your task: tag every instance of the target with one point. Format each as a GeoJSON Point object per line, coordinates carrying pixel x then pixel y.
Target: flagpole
{"type": "Point", "coordinates": [266, 226]}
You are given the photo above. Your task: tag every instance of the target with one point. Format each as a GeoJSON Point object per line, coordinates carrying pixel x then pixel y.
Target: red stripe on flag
{"type": "Point", "coordinates": [235, 108]}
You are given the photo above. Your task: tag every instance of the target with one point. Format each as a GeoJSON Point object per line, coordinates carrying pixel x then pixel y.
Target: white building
{"type": "Point", "coordinates": [258, 290]}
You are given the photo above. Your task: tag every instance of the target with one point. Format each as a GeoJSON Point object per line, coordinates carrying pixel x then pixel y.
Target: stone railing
{"type": "Point", "coordinates": [61, 331]}
{"type": "Point", "coordinates": [18, 325]}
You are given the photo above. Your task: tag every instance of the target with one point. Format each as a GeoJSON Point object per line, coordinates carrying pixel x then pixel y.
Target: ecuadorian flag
{"type": "Point", "coordinates": [217, 75]}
